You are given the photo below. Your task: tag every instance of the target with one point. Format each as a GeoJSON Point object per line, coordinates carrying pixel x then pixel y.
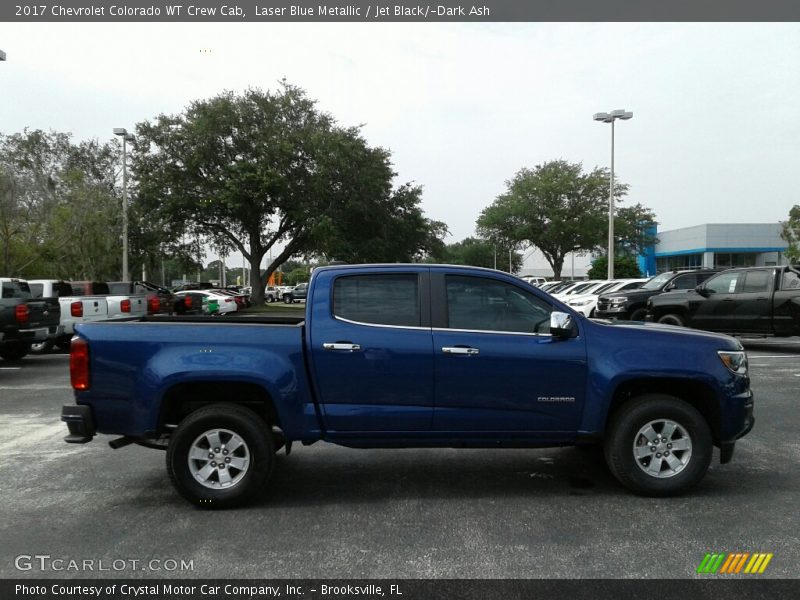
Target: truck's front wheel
{"type": "Point", "coordinates": [658, 445]}
{"type": "Point", "coordinates": [220, 456]}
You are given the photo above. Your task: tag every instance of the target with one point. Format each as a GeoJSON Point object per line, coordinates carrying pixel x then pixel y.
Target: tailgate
{"type": "Point", "coordinates": [42, 312]}
{"type": "Point", "coordinates": [94, 308]}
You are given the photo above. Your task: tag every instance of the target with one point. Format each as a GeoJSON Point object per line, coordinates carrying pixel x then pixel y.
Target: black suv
{"type": "Point", "coordinates": [632, 304]}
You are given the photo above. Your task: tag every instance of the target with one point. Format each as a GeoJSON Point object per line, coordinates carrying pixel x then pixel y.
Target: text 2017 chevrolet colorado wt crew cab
{"type": "Point", "coordinates": [392, 356]}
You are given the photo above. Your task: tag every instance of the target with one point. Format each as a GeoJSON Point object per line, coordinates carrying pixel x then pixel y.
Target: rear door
{"type": "Point", "coordinates": [497, 367]}
{"type": "Point", "coordinates": [752, 302]}
{"type": "Point", "coordinates": [371, 350]}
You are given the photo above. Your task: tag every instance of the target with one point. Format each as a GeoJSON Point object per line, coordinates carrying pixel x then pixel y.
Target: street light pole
{"type": "Point", "coordinates": [126, 137]}
{"type": "Point", "coordinates": [610, 118]}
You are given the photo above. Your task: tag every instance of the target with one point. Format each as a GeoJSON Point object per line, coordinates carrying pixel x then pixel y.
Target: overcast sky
{"type": "Point", "coordinates": [714, 137]}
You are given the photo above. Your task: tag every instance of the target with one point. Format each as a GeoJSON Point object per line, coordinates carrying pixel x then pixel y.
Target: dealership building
{"type": "Point", "coordinates": [716, 245]}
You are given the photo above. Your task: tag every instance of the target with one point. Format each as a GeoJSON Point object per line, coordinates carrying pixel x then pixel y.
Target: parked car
{"type": "Point", "coordinates": [159, 300]}
{"type": "Point", "coordinates": [25, 320]}
{"type": "Point", "coordinates": [73, 309]}
{"type": "Point", "coordinates": [214, 302]}
{"type": "Point", "coordinates": [480, 360]}
{"type": "Point", "coordinates": [534, 280]}
{"type": "Point", "coordinates": [632, 305]}
{"type": "Point", "coordinates": [200, 285]}
{"type": "Point", "coordinates": [272, 293]}
{"type": "Point", "coordinates": [755, 300]}
{"type": "Point", "coordinates": [586, 303]}
{"type": "Point", "coordinates": [579, 287]}
{"type": "Point", "coordinates": [125, 304]}
{"type": "Point", "coordinates": [297, 294]}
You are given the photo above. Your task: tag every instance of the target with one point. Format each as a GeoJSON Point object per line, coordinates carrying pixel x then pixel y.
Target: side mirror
{"type": "Point", "coordinates": [669, 287]}
{"type": "Point", "coordinates": [701, 289]}
{"type": "Point", "coordinates": [560, 325]}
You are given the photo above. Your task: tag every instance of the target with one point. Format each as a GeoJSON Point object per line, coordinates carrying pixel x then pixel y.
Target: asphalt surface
{"type": "Point", "coordinates": [333, 512]}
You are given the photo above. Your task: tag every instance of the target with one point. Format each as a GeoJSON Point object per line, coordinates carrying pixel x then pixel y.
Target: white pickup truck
{"type": "Point", "coordinates": [74, 310]}
{"type": "Point", "coordinates": [119, 305]}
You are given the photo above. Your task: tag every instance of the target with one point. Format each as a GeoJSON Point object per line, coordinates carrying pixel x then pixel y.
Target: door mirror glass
{"type": "Point", "coordinates": [701, 289]}
{"type": "Point", "coordinates": [560, 324]}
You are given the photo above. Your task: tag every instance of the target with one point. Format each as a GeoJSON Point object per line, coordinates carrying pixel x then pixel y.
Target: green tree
{"type": "Point", "coordinates": [791, 235]}
{"type": "Point", "coordinates": [59, 207]}
{"type": "Point", "coordinates": [625, 266]}
{"type": "Point", "coordinates": [267, 169]}
{"type": "Point", "coordinates": [476, 252]}
{"type": "Point", "coordinates": [558, 208]}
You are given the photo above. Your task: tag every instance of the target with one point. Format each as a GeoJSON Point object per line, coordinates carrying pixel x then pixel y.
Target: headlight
{"type": "Point", "coordinates": [579, 302]}
{"type": "Point", "coordinates": [735, 361]}
{"type": "Point", "coordinates": [619, 300]}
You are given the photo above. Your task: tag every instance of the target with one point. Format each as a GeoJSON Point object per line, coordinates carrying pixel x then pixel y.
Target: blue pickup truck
{"type": "Point", "coordinates": [397, 356]}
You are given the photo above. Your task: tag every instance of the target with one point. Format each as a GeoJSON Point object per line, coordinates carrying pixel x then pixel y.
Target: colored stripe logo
{"type": "Point", "coordinates": [734, 563]}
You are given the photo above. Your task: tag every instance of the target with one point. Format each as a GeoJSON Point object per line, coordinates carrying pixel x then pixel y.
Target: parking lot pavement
{"type": "Point", "coordinates": [335, 512]}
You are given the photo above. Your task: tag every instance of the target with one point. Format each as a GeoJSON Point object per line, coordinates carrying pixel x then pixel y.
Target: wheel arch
{"type": "Point", "coordinates": [698, 394]}
{"type": "Point", "coordinates": [182, 399]}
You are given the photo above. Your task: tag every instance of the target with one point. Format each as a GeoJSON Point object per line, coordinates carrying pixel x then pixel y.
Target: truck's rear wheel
{"type": "Point", "coordinates": [658, 445]}
{"type": "Point", "coordinates": [220, 456]}
{"type": "Point", "coordinates": [15, 350]}
{"type": "Point", "coordinates": [672, 320]}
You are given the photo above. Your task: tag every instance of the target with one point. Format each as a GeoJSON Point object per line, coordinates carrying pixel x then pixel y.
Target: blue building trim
{"type": "Point", "coordinates": [715, 250]}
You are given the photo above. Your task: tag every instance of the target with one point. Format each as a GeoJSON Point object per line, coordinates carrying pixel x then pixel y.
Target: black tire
{"type": "Point", "coordinates": [672, 319]}
{"type": "Point", "coordinates": [638, 315]}
{"type": "Point", "coordinates": [15, 350]}
{"type": "Point", "coordinates": [624, 432]}
{"type": "Point", "coordinates": [257, 437]}
{"type": "Point", "coordinates": [42, 347]}
{"type": "Point", "coordinates": [287, 299]}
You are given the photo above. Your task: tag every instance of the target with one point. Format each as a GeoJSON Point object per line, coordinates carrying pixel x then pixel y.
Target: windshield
{"type": "Point", "coordinates": [657, 281]}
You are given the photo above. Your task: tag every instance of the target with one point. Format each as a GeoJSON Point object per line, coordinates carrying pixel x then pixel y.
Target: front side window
{"type": "Point", "coordinates": [724, 284]}
{"type": "Point", "coordinates": [382, 299]}
{"type": "Point", "coordinates": [481, 304]}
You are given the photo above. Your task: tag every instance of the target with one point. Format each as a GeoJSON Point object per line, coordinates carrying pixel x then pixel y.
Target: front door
{"type": "Point", "coordinates": [497, 366]}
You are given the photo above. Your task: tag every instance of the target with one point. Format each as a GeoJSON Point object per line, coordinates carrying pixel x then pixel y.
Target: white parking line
{"type": "Point", "coordinates": [35, 387]}
{"type": "Point", "coordinates": [10, 368]}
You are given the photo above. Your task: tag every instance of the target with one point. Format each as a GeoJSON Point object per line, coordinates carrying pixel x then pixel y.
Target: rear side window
{"type": "Point", "coordinates": [37, 289]}
{"type": "Point", "coordinates": [685, 282]}
{"type": "Point", "coordinates": [756, 281]}
{"type": "Point", "coordinates": [385, 299]}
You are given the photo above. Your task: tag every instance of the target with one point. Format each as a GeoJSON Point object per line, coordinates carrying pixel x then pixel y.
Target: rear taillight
{"type": "Point", "coordinates": [229, 300]}
{"type": "Point", "coordinates": [79, 364]}
{"type": "Point", "coordinates": [125, 306]}
{"type": "Point", "coordinates": [155, 304]}
{"type": "Point", "coordinates": [22, 312]}
{"type": "Point", "coordinates": [76, 309]}
{"type": "Point", "coordinates": [187, 301]}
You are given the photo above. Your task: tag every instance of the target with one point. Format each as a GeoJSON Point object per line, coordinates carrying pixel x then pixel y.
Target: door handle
{"type": "Point", "coordinates": [461, 350]}
{"type": "Point", "coordinates": [341, 346]}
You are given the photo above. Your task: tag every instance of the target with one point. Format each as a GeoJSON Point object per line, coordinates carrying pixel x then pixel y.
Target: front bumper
{"type": "Point", "coordinates": [79, 422]}
{"type": "Point", "coordinates": [726, 448]}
